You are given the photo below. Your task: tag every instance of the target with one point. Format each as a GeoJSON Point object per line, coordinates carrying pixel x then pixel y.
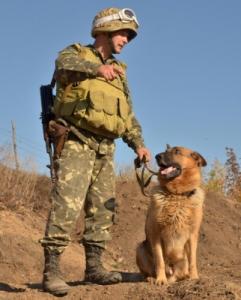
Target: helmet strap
{"type": "Point", "coordinates": [110, 34]}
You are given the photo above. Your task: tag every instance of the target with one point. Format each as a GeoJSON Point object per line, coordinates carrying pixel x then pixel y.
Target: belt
{"type": "Point", "coordinates": [94, 141]}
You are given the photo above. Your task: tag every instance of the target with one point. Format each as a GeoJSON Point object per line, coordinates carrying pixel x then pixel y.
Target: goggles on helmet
{"type": "Point", "coordinates": [125, 15]}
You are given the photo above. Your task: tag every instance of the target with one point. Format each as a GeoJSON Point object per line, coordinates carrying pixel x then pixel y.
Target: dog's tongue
{"type": "Point", "coordinates": [167, 170]}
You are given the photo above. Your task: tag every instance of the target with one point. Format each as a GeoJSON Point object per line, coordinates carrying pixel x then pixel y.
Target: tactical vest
{"type": "Point", "coordinates": [95, 104]}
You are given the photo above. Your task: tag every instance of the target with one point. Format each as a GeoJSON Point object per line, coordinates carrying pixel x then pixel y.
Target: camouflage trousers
{"type": "Point", "coordinates": [85, 179]}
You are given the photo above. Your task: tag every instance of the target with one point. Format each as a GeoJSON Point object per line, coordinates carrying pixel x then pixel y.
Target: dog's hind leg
{"type": "Point", "coordinates": [144, 259]}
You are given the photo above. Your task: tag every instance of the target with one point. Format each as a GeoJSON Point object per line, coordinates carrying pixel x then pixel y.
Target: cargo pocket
{"type": "Point", "coordinates": [65, 107]}
{"type": "Point", "coordinates": [110, 105]}
{"type": "Point", "coordinates": [94, 112]}
{"type": "Point", "coordinates": [96, 99]}
{"type": "Point", "coordinates": [123, 108]}
{"type": "Point", "coordinates": [80, 108]}
{"type": "Point", "coordinates": [69, 100]}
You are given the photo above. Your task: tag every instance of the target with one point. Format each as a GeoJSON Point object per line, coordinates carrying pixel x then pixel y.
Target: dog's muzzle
{"type": "Point", "coordinates": [168, 168]}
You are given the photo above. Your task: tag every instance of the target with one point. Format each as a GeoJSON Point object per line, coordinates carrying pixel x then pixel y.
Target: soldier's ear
{"type": "Point", "coordinates": [199, 158]}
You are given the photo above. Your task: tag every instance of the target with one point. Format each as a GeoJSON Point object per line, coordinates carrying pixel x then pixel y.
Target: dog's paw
{"type": "Point", "coordinates": [151, 280]}
{"type": "Point", "coordinates": [172, 279]}
{"type": "Point", "coordinates": [193, 276]}
{"type": "Point", "coordinates": [161, 280]}
{"type": "Point", "coordinates": [157, 281]}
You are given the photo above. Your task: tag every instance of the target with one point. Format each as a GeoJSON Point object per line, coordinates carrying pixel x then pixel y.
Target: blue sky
{"type": "Point", "coordinates": [184, 70]}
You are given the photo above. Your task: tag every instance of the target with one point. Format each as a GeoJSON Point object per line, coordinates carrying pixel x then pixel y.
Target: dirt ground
{"type": "Point", "coordinates": [219, 254]}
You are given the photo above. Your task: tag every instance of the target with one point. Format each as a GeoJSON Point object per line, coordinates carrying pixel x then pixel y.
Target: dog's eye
{"type": "Point", "coordinates": [177, 151]}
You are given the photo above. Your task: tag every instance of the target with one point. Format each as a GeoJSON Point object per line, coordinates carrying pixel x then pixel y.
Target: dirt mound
{"type": "Point", "coordinates": [219, 254]}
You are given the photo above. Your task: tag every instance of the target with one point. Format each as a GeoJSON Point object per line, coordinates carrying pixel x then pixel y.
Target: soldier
{"type": "Point", "coordinates": [92, 96]}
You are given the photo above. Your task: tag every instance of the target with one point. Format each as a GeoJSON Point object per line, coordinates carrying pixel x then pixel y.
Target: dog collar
{"type": "Point", "coordinates": [189, 193]}
{"type": "Point", "coordinates": [186, 194]}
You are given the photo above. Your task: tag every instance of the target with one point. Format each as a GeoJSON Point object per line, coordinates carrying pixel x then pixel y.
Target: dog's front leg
{"type": "Point", "coordinates": [192, 256]}
{"type": "Point", "coordinates": [158, 261]}
{"type": "Point", "coordinates": [193, 241]}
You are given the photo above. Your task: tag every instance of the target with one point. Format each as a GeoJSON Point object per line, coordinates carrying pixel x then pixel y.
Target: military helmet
{"type": "Point", "coordinates": [114, 19]}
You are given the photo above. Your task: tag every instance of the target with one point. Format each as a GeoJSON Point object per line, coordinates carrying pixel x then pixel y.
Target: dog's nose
{"type": "Point", "coordinates": [158, 156]}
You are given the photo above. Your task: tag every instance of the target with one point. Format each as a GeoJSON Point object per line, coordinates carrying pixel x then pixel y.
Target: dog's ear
{"type": "Point", "coordinates": [199, 158]}
{"type": "Point", "coordinates": [168, 147]}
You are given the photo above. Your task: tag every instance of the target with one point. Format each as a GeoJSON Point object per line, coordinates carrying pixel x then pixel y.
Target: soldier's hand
{"type": "Point", "coordinates": [143, 154]}
{"type": "Point", "coordinates": [109, 72]}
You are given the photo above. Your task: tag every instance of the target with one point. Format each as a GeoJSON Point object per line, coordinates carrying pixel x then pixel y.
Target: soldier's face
{"type": "Point", "coordinates": [119, 39]}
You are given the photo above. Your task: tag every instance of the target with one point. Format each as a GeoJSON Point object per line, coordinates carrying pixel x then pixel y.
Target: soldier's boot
{"type": "Point", "coordinates": [52, 280]}
{"type": "Point", "coordinates": [95, 272]}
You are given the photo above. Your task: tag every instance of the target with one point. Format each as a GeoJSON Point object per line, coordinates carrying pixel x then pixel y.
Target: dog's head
{"type": "Point", "coordinates": [180, 169]}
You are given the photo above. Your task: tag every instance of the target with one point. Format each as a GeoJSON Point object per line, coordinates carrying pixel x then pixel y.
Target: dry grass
{"type": "Point", "coordinates": [125, 173]}
{"type": "Point", "coordinates": [226, 178]}
{"type": "Point", "coordinates": [26, 189]}
{"type": "Point", "coordinates": [233, 175]}
{"type": "Point", "coordinates": [215, 179]}
{"type": "Point", "coordinates": [23, 188]}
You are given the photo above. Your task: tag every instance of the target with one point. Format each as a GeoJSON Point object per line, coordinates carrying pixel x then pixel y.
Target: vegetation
{"type": "Point", "coordinates": [225, 179]}
{"type": "Point", "coordinates": [24, 188]}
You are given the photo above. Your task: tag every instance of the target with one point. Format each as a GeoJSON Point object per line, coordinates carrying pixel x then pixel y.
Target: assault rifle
{"type": "Point", "coordinates": [47, 101]}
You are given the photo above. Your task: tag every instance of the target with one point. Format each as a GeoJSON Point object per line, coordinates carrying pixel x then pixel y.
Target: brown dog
{"type": "Point", "coordinates": [173, 219]}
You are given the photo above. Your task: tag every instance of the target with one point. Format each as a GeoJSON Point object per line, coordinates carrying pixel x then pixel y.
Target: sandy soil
{"type": "Point", "coordinates": [219, 254]}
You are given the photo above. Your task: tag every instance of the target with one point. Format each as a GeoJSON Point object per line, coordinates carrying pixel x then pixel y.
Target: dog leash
{"type": "Point", "coordinates": [142, 178]}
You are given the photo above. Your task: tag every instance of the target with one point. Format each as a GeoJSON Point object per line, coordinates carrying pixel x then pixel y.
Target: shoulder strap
{"type": "Point", "coordinates": [77, 46]}
{"type": "Point", "coordinates": [53, 81]}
